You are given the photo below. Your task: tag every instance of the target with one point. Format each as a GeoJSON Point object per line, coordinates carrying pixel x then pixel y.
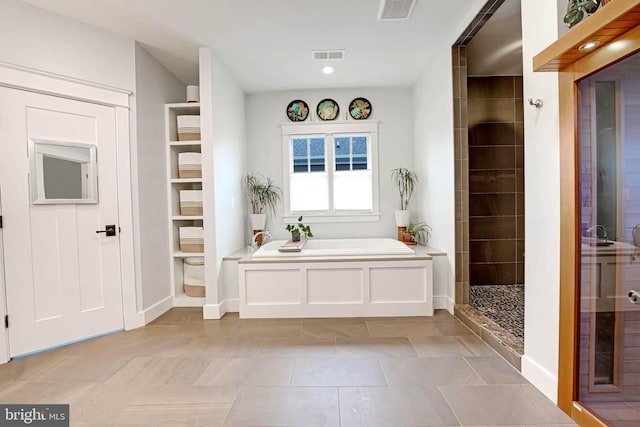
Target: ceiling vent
{"type": "Point", "coordinates": [328, 55]}
{"type": "Point", "coordinates": [395, 10]}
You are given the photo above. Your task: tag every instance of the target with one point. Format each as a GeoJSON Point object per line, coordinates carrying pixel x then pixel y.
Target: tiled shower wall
{"type": "Point", "coordinates": [496, 180]}
{"type": "Point", "coordinates": [459, 61]}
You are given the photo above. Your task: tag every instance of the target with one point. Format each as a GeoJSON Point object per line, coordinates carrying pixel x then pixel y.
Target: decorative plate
{"type": "Point", "coordinates": [297, 111]}
{"type": "Point", "coordinates": [360, 108]}
{"type": "Point", "coordinates": [327, 109]}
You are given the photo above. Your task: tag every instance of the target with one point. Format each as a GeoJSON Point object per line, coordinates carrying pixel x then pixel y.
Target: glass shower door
{"type": "Point", "coordinates": [609, 189]}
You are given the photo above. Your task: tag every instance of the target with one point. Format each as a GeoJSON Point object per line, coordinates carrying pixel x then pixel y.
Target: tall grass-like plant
{"type": "Point", "coordinates": [406, 181]}
{"type": "Point", "coordinates": [262, 192]}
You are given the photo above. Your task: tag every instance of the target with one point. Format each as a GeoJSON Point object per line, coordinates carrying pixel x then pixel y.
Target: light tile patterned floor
{"type": "Point", "coordinates": [182, 370]}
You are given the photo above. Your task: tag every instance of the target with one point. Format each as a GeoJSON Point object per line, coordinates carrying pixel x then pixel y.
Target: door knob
{"type": "Point", "coordinates": [109, 230]}
{"type": "Point", "coordinates": [634, 297]}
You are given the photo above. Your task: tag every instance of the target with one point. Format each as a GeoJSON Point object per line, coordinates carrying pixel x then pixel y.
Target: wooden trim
{"type": "Point", "coordinates": [611, 21]}
{"type": "Point", "coordinates": [584, 417]}
{"type": "Point", "coordinates": [618, 49]}
{"type": "Point", "coordinates": [568, 244]}
{"type": "Point", "coordinates": [623, 46]}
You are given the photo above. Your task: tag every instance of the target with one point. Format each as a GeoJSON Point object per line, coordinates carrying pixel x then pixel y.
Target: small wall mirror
{"type": "Point", "coordinates": [63, 172]}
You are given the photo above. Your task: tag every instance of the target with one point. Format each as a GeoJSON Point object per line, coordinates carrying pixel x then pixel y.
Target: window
{"type": "Point", "coordinates": [332, 171]}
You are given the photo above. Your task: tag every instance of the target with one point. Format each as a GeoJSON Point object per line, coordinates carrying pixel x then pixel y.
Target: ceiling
{"type": "Point", "coordinates": [496, 50]}
{"type": "Point", "coordinates": [266, 45]}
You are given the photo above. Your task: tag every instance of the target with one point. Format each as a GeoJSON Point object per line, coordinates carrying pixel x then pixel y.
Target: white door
{"type": "Point", "coordinates": [62, 278]}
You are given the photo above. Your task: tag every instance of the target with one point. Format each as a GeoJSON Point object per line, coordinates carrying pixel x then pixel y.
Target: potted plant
{"type": "Point", "coordinates": [406, 181]}
{"type": "Point", "coordinates": [262, 193]}
{"type": "Point", "coordinates": [297, 229]}
{"type": "Point", "coordinates": [419, 232]}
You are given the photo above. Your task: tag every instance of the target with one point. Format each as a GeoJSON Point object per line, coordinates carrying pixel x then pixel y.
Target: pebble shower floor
{"type": "Point", "coordinates": [504, 304]}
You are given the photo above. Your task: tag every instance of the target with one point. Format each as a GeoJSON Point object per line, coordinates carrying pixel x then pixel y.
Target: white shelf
{"type": "Point", "coordinates": [187, 254]}
{"type": "Point", "coordinates": [186, 180]}
{"type": "Point", "coordinates": [184, 143]}
{"type": "Point", "coordinates": [184, 300]}
{"type": "Point", "coordinates": [184, 105]}
{"type": "Point", "coordinates": [174, 148]}
{"type": "Point", "coordinates": [187, 218]}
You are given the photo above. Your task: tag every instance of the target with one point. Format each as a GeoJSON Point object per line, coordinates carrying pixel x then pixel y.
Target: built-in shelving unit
{"type": "Point", "coordinates": [174, 185]}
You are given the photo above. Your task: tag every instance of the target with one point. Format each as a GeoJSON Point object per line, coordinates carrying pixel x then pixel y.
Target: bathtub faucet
{"type": "Point", "coordinates": [265, 236]}
{"type": "Point", "coordinates": [595, 229]}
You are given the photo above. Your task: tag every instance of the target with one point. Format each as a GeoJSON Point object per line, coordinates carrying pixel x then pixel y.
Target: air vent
{"type": "Point", "coordinates": [395, 10]}
{"type": "Point", "coordinates": [331, 55]}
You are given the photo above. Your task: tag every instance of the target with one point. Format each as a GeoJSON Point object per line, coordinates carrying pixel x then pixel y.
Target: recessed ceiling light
{"type": "Point", "coordinates": [589, 45]}
{"type": "Point", "coordinates": [328, 69]}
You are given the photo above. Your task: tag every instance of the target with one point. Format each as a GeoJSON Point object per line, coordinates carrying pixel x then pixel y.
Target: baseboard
{"type": "Point", "coordinates": [212, 311]}
{"type": "Point", "coordinates": [216, 311]}
{"type": "Point", "coordinates": [542, 379]}
{"type": "Point", "coordinates": [230, 306]}
{"type": "Point", "coordinates": [158, 309]}
{"type": "Point", "coordinates": [443, 302]}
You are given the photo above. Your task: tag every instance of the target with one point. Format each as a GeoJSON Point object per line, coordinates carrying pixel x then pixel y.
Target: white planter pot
{"type": "Point", "coordinates": [258, 221]}
{"type": "Point", "coordinates": [402, 218]}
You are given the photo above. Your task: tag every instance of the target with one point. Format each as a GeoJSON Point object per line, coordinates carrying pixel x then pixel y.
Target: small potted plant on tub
{"type": "Point", "coordinates": [297, 229]}
{"type": "Point", "coordinates": [262, 193]}
{"type": "Point", "coordinates": [419, 232]}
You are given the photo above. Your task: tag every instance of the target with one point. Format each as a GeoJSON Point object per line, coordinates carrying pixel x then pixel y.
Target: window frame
{"type": "Point", "coordinates": [370, 129]}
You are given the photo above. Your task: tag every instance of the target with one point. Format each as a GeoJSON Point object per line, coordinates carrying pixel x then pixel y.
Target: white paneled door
{"type": "Point", "coordinates": [62, 278]}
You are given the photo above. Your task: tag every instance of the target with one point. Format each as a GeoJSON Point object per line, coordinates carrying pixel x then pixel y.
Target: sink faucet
{"type": "Point", "coordinates": [597, 227]}
{"type": "Point", "coordinates": [265, 236]}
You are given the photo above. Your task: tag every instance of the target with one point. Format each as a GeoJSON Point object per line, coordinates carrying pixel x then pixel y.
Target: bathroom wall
{"type": "Point", "coordinates": [434, 157]}
{"type": "Point", "coordinates": [434, 153]}
{"type": "Point", "coordinates": [540, 25]}
{"type": "Point", "coordinates": [155, 86]}
{"type": "Point", "coordinates": [496, 180]}
{"type": "Point", "coordinates": [392, 107]}
{"type": "Point", "coordinates": [223, 103]}
{"type": "Point", "coordinates": [56, 44]}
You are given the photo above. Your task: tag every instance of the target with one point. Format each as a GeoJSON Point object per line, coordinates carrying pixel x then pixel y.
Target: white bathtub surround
{"type": "Point", "coordinates": [336, 247]}
{"type": "Point", "coordinates": [336, 278]}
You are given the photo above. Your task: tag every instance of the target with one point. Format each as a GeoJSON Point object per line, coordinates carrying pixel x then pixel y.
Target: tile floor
{"type": "Point", "coordinates": [182, 370]}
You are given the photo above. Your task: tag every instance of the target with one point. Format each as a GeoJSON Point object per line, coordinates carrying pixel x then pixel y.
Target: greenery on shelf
{"type": "Point", "coordinates": [420, 232]}
{"type": "Point", "coordinates": [577, 10]}
{"type": "Point", "coordinates": [297, 229]}
{"type": "Point", "coordinates": [262, 192]}
{"type": "Point", "coordinates": [406, 181]}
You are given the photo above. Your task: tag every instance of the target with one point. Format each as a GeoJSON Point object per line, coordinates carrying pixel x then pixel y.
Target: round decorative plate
{"type": "Point", "coordinates": [327, 109]}
{"type": "Point", "coordinates": [297, 111]}
{"type": "Point", "coordinates": [360, 108]}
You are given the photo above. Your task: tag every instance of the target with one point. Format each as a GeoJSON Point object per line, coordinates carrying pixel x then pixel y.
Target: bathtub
{"type": "Point", "coordinates": [336, 278]}
{"type": "Point", "coordinates": [336, 247]}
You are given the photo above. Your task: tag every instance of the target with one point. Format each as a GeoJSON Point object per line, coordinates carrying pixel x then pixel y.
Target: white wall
{"type": "Point", "coordinates": [434, 154]}
{"type": "Point", "coordinates": [38, 39]}
{"type": "Point", "coordinates": [155, 86]}
{"type": "Point", "coordinates": [542, 202]}
{"type": "Point", "coordinates": [229, 164]}
{"type": "Point", "coordinates": [47, 42]}
{"type": "Point", "coordinates": [392, 107]}
{"type": "Point", "coordinates": [434, 157]}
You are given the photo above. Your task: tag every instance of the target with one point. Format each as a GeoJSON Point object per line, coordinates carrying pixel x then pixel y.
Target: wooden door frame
{"type": "Point", "coordinates": [617, 27]}
{"type": "Point", "coordinates": [31, 80]}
